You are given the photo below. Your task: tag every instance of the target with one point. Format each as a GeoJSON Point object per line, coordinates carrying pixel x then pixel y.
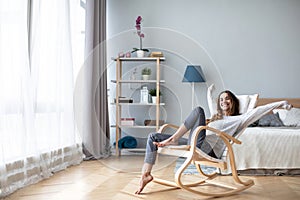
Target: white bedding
{"type": "Point", "coordinates": [268, 148]}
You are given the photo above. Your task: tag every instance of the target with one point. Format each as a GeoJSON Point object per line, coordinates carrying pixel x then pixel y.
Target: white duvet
{"type": "Point", "coordinates": [268, 148]}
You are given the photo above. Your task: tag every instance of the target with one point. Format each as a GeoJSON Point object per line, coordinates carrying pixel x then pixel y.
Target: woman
{"type": "Point", "coordinates": [227, 120]}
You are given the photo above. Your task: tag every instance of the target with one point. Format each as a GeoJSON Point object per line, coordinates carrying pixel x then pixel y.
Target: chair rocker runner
{"type": "Point", "coordinates": [197, 157]}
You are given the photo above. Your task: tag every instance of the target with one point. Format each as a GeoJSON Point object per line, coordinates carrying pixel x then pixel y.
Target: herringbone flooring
{"type": "Point", "coordinates": [118, 178]}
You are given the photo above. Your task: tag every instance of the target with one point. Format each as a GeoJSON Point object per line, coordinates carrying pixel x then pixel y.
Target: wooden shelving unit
{"type": "Point", "coordinates": [119, 81]}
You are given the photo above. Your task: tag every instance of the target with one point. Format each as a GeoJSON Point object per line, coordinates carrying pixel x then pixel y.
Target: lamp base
{"type": "Point", "coordinates": [193, 93]}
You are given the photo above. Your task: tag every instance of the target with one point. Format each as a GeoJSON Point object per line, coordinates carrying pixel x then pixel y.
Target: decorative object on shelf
{"type": "Point", "coordinates": [127, 121]}
{"type": "Point", "coordinates": [144, 95]}
{"type": "Point", "coordinates": [121, 54]}
{"type": "Point", "coordinates": [193, 73]}
{"type": "Point", "coordinates": [153, 93]}
{"type": "Point", "coordinates": [140, 51]}
{"type": "Point", "coordinates": [156, 54]}
{"type": "Point", "coordinates": [128, 55]}
{"type": "Point", "coordinates": [146, 72]}
{"type": "Point", "coordinates": [149, 122]}
{"type": "Point", "coordinates": [127, 142]}
{"type": "Point", "coordinates": [133, 86]}
{"type": "Point", "coordinates": [124, 100]}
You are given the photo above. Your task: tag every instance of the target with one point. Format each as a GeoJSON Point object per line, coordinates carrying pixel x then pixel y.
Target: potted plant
{"type": "Point", "coordinates": [153, 92]}
{"type": "Point", "coordinates": [139, 51]}
{"type": "Point", "coordinates": [146, 72]}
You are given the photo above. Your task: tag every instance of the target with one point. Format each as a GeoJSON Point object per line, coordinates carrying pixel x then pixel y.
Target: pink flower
{"type": "Point", "coordinates": [141, 35]}
{"type": "Point", "coordinates": [138, 20]}
{"type": "Point", "coordinates": [138, 27]}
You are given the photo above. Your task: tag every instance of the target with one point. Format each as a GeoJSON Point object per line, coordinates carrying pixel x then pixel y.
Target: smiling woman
{"type": "Point", "coordinates": [226, 120]}
{"type": "Point", "coordinates": [227, 105]}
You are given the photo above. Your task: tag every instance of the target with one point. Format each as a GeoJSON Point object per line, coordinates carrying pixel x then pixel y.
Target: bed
{"type": "Point", "coordinates": [270, 150]}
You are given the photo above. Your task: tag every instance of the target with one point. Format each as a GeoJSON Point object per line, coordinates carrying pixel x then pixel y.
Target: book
{"type": "Point", "coordinates": [156, 54]}
{"type": "Point", "coordinates": [127, 121]}
{"type": "Point", "coordinates": [124, 100]}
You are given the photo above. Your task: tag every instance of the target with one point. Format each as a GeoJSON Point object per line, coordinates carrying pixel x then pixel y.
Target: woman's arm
{"type": "Point", "coordinates": [210, 100]}
{"type": "Point", "coordinates": [255, 114]}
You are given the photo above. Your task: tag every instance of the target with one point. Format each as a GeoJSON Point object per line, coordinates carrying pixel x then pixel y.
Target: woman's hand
{"type": "Point", "coordinates": [211, 87]}
{"type": "Point", "coordinates": [287, 106]}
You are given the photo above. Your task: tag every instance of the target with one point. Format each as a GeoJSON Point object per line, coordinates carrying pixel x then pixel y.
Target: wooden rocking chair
{"type": "Point", "coordinates": [197, 157]}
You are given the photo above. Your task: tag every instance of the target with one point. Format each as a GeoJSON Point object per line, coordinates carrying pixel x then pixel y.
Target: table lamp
{"type": "Point", "coordinates": [192, 74]}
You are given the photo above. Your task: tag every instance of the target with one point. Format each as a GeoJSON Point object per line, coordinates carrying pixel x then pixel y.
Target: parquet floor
{"type": "Point", "coordinates": [118, 178]}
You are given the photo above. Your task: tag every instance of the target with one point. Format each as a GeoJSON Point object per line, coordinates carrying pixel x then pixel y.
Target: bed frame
{"type": "Point", "coordinates": [294, 101]}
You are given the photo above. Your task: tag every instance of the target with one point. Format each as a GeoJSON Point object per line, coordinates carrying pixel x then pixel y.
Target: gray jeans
{"type": "Point", "coordinates": [196, 118]}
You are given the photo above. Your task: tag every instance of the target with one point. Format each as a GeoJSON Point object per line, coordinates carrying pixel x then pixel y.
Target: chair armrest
{"type": "Point", "coordinates": [233, 139]}
{"type": "Point", "coordinates": [224, 136]}
{"type": "Point", "coordinates": [207, 121]}
{"type": "Point", "coordinates": [165, 126]}
{"type": "Point", "coordinates": [227, 139]}
{"type": "Point", "coordinates": [219, 133]}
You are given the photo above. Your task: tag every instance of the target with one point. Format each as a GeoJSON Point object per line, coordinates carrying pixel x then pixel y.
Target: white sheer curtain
{"type": "Point", "coordinates": [37, 128]}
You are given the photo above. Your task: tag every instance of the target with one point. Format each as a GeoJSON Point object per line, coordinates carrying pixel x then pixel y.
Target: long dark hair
{"type": "Point", "coordinates": [234, 109]}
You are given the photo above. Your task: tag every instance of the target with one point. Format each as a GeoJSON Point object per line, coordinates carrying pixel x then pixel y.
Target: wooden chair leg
{"type": "Point", "coordinates": [198, 167]}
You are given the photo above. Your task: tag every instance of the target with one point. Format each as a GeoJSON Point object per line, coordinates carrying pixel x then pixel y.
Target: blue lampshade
{"type": "Point", "coordinates": [193, 73]}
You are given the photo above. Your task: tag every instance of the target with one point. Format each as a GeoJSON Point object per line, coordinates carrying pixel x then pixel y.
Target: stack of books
{"type": "Point", "coordinates": [124, 100]}
{"type": "Point", "coordinates": [156, 54]}
{"type": "Point", "coordinates": [149, 122]}
{"type": "Point", "coordinates": [127, 121]}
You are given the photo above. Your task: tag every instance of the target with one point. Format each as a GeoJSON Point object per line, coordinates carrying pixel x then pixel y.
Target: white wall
{"type": "Point", "coordinates": [246, 46]}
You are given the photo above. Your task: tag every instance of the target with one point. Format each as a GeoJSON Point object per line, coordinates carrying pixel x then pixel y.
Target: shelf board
{"type": "Point", "coordinates": [138, 127]}
{"type": "Point", "coordinates": [140, 59]}
{"type": "Point", "coordinates": [139, 104]}
{"type": "Point", "coordinates": [138, 81]}
{"type": "Point", "coordinates": [130, 151]}
{"type": "Point", "coordinates": [134, 127]}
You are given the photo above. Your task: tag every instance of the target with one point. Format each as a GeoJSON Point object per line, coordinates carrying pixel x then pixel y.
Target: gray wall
{"type": "Point", "coordinates": [246, 46]}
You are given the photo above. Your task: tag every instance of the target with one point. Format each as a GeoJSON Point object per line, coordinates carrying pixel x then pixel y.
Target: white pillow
{"type": "Point", "coordinates": [292, 117]}
{"type": "Point", "coordinates": [252, 102]}
{"type": "Point", "coordinates": [244, 102]}
{"type": "Point", "coordinates": [247, 102]}
{"type": "Point", "coordinates": [281, 112]}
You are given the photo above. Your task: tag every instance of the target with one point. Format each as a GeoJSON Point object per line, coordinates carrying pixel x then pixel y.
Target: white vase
{"type": "Point", "coordinates": [140, 53]}
{"type": "Point", "coordinates": [145, 77]}
{"type": "Point", "coordinates": [153, 99]}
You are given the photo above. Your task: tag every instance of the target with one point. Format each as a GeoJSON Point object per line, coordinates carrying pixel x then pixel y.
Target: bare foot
{"type": "Point", "coordinates": [145, 179]}
{"type": "Point", "coordinates": [167, 142]}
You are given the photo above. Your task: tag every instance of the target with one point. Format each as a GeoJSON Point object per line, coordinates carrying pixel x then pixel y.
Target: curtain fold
{"type": "Point", "coordinates": [91, 94]}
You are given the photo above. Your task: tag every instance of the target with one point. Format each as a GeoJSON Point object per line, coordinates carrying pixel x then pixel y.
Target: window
{"type": "Point", "coordinates": [37, 127]}
{"type": "Point", "coordinates": [36, 75]}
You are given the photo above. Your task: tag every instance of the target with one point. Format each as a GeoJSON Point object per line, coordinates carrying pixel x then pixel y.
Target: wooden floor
{"type": "Point", "coordinates": [118, 178]}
